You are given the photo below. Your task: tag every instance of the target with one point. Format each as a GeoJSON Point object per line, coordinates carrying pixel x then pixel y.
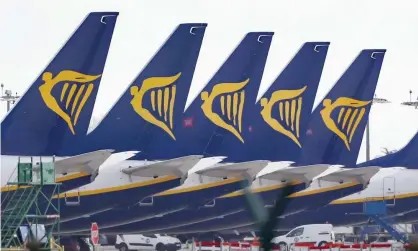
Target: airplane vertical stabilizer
{"type": "Point", "coordinates": [56, 109]}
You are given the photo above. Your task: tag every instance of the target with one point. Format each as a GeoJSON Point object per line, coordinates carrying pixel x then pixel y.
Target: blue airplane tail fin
{"type": "Point", "coordinates": [235, 107]}
{"type": "Point", "coordinates": [405, 157]}
{"type": "Point", "coordinates": [336, 128]}
{"type": "Point", "coordinates": [155, 100]}
{"type": "Point", "coordinates": [57, 107]}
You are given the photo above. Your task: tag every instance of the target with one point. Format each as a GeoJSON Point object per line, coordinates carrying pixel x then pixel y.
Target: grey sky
{"type": "Point", "coordinates": [32, 33]}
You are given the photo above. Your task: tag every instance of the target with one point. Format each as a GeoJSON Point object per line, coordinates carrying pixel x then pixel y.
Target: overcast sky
{"type": "Point", "coordinates": [31, 32]}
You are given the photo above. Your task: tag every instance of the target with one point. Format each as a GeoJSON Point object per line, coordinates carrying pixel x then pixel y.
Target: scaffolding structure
{"type": "Point", "coordinates": [27, 205]}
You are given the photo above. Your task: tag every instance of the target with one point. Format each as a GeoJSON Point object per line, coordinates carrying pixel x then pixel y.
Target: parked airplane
{"type": "Point", "coordinates": [57, 107]}
{"type": "Point", "coordinates": [390, 187]}
{"type": "Point", "coordinates": [352, 95]}
{"type": "Point", "coordinates": [411, 103]}
{"type": "Point", "coordinates": [194, 137]}
{"type": "Point", "coordinates": [293, 95]}
{"type": "Point", "coordinates": [382, 182]}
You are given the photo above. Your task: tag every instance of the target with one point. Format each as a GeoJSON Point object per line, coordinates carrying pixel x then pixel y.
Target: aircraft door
{"type": "Point", "coordinates": [73, 200]}
{"type": "Point", "coordinates": [147, 201]}
{"type": "Point", "coordinates": [389, 191]}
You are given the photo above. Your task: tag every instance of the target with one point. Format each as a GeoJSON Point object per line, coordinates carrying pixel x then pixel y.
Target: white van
{"type": "Point", "coordinates": [158, 242]}
{"type": "Point", "coordinates": [318, 234]}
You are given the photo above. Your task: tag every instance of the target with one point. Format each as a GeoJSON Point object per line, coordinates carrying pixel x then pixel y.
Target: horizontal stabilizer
{"type": "Point", "coordinates": [359, 174]}
{"type": "Point", "coordinates": [301, 173]}
{"type": "Point", "coordinates": [117, 158]}
{"type": "Point", "coordinates": [86, 162]}
{"type": "Point", "coordinates": [244, 169]}
{"type": "Point", "coordinates": [177, 167]}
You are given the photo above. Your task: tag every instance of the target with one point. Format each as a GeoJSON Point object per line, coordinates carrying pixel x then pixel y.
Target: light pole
{"type": "Point", "coordinates": [379, 101]}
{"type": "Point", "coordinates": [410, 102]}
{"type": "Point", "coordinates": [8, 97]}
{"type": "Point", "coordinates": [368, 141]}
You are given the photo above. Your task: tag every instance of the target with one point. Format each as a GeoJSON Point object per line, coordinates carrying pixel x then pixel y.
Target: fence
{"type": "Point", "coordinates": [256, 246]}
{"type": "Point", "coordinates": [353, 247]}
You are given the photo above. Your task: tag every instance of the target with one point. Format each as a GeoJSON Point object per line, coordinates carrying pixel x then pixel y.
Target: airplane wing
{"type": "Point", "coordinates": [177, 167]}
{"type": "Point", "coordinates": [359, 174]}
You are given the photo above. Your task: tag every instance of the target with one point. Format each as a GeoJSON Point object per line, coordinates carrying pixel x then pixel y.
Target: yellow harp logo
{"type": "Point", "coordinates": [289, 107]}
{"type": "Point", "coordinates": [78, 93]}
{"type": "Point", "coordinates": [351, 112]}
{"type": "Point", "coordinates": [162, 94]}
{"type": "Point", "coordinates": [231, 110]}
